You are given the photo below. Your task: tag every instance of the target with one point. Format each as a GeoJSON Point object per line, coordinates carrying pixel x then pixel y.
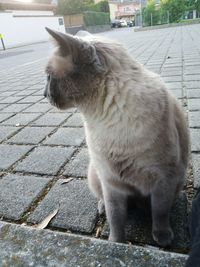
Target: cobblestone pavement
{"type": "Point", "coordinates": [40, 147]}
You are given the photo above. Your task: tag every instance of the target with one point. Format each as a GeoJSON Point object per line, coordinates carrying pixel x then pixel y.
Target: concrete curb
{"type": "Point", "coordinates": [26, 246]}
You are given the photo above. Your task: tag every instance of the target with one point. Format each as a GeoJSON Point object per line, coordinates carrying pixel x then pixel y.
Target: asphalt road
{"type": "Point", "coordinates": [16, 57]}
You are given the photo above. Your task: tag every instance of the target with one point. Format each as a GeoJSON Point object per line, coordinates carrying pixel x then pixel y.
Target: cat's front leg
{"type": "Point", "coordinates": [161, 200]}
{"type": "Point", "coordinates": [116, 212]}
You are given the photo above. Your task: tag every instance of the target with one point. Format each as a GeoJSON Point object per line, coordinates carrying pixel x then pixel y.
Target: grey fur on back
{"type": "Point", "coordinates": [136, 131]}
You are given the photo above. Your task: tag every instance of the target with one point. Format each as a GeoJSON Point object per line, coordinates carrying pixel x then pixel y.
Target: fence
{"type": "Point", "coordinates": [162, 17]}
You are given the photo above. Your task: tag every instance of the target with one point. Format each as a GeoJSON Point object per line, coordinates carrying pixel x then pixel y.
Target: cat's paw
{"type": "Point", "coordinates": [101, 207]}
{"type": "Point", "coordinates": [163, 237]}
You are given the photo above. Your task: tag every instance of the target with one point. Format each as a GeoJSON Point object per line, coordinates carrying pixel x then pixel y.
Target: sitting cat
{"type": "Point", "coordinates": [135, 130]}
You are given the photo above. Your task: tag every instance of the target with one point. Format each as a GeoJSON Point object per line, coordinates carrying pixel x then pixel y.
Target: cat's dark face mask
{"type": "Point", "coordinates": [71, 70]}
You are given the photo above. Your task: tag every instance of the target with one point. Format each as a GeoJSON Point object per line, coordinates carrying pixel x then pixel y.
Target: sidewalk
{"type": "Point", "coordinates": [41, 147]}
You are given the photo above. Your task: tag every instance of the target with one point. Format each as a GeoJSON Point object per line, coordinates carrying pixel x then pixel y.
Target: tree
{"type": "Point", "coordinates": [174, 7]}
{"type": "Point", "coordinates": [66, 7]}
{"type": "Point", "coordinates": [102, 6]}
{"type": "Point", "coordinates": [150, 14]}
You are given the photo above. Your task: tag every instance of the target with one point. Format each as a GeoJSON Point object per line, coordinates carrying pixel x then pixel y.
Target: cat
{"type": "Point", "coordinates": [136, 132]}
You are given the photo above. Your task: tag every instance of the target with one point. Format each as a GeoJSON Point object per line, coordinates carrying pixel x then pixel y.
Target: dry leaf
{"type": "Point", "coordinates": [47, 220]}
{"type": "Point", "coordinates": [67, 181]}
{"type": "Point", "coordinates": [98, 232]}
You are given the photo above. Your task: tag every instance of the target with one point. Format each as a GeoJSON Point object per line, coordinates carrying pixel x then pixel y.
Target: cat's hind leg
{"type": "Point", "coordinates": [162, 199]}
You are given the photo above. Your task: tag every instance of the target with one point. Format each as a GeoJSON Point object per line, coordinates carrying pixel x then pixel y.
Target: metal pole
{"type": "Point", "coordinates": [151, 19]}
{"type": "Point", "coordinates": [167, 17]}
{"type": "Point", "coordinates": [141, 13]}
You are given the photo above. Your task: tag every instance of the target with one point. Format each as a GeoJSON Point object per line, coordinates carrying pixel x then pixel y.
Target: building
{"type": "Point", "coordinates": [23, 23]}
{"type": "Point", "coordinates": [124, 9]}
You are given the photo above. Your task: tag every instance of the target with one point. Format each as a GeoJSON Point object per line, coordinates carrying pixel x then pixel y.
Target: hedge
{"type": "Point", "coordinates": [92, 18]}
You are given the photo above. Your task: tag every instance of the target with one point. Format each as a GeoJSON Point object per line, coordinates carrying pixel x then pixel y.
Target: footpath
{"type": "Point", "coordinates": [44, 158]}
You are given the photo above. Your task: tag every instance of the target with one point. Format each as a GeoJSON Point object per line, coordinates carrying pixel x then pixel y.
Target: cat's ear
{"type": "Point", "coordinates": [82, 52]}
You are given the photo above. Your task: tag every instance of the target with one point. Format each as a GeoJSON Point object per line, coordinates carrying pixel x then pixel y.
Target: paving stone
{"type": "Point", "coordinates": [193, 93]}
{"type": "Point", "coordinates": [17, 193]}
{"type": "Point", "coordinates": [168, 73]}
{"type": "Point", "coordinates": [31, 135]}
{"type": "Point", "coordinates": [177, 93]}
{"type": "Point", "coordinates": [21, 119]}
{"type": "Point", "coordinates": [51, 119]}
{"type": "Point", "coordinates": [6, 93]}
{"type": "Point", "coordinates": [67, 136]}
{"type": "Point", "coordinates": [2, 106]}
{"type": "Point", "coordinates": [139, 225]}
{"type": "Point", "coordinates": [51, 248]}
{"type": "Point", "coordinates": [74, 121]}
{"type": "Point", "coordinates": [7, 131]}
{"type": "Point", "coordinates": [11, 99]}
{"type": "Point", "coordinates": [45, 160]}
{"type": "Point", "coordinates": [77, 207]}
{"type": "Point", "coordinates": [25, 92]}
{"type": "Point", "coordinates": [174, 85]}
{"type": "Point", "coordinates": [79, 165]}
{"type": "Point", "coordinates": [173, 78]}
{"type": "Point", "coordinates": [38, 108]}
{"type": "Point", "coordinates": [195, 139]}
{"type": "Point", "coordinates": [193, 77]}
{"type": "Point", "coordinates": [194, 104]}
{"type": "Point", "coordinates": [15, 108]}
{"type": "Point", "coordinates": [192, 84]}
{"type": "Point", "coordinates": [55, 110]}
{"type": "Point", "coordinates": [194, 119]}
{"type": "Point", "coordinates": [10, 154]}
{"type": "Point", "coordinates": [4, 116]}
{"type": "Point", "coordinates": [196, 169]}
{"type": "Point", "coordinates": [31, 99]}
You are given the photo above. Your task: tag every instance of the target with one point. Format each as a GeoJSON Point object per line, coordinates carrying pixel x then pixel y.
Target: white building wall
{"type": "Point", "coordinates": [29, 28]}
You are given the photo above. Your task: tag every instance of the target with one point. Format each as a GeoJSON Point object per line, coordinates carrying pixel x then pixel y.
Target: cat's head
{"type": "Point", "coordinates": [71, 70]}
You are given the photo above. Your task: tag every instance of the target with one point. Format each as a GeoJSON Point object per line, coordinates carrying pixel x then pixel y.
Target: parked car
{"type": "Point", "coordinates": [123, 23]}
{"type": "Point", "coordinates": [116, 23]}
{"type": "Point", "coordinates": [130, 23]}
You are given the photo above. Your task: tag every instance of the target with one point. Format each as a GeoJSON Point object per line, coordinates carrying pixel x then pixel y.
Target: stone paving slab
{"type": "Point", "coordinates": [193, 93]}
{"type": "Point", "coordinates": [45, 160]}
{"type": "Point", "coordinates": [7, 131]}
{"type": "Point", "coordinates": [139, 227]}
{"type": "Point", "coordinates": [29, 247]}
{"type": "Point", "coordinates": [21, 119]}
{"type": "Point", "coordinates": [195, 139]}
{"type": "Point", "coordinates": [15, 108]}
{"type": "Point", "coordinates": [38, 108]}
{"type": "Point", "coordinates": [4, 116]}
{"type": "Point", "coordinates": [31, 135]}
{"type": "Point", "coordinates": [77, 207]}
{"type": "Point", "coordinates": [51, 119]}
{"type": "Point", "coordinates": [194, 119]}
{"type": "Point", "coordinates": [10, 154]}
{"type": "Point", "coordinates": [196, 169]}
{"type": "Point", "coordinates": [17, 193]}
{"type": "Point", "coordinates": [78, 166]}
{"type": "Point", "coordinates": [67, 137]}
{"type": "Point", "coordinates": [74, 121]}
{"type": "Point", "coordinates": [194, 104]}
